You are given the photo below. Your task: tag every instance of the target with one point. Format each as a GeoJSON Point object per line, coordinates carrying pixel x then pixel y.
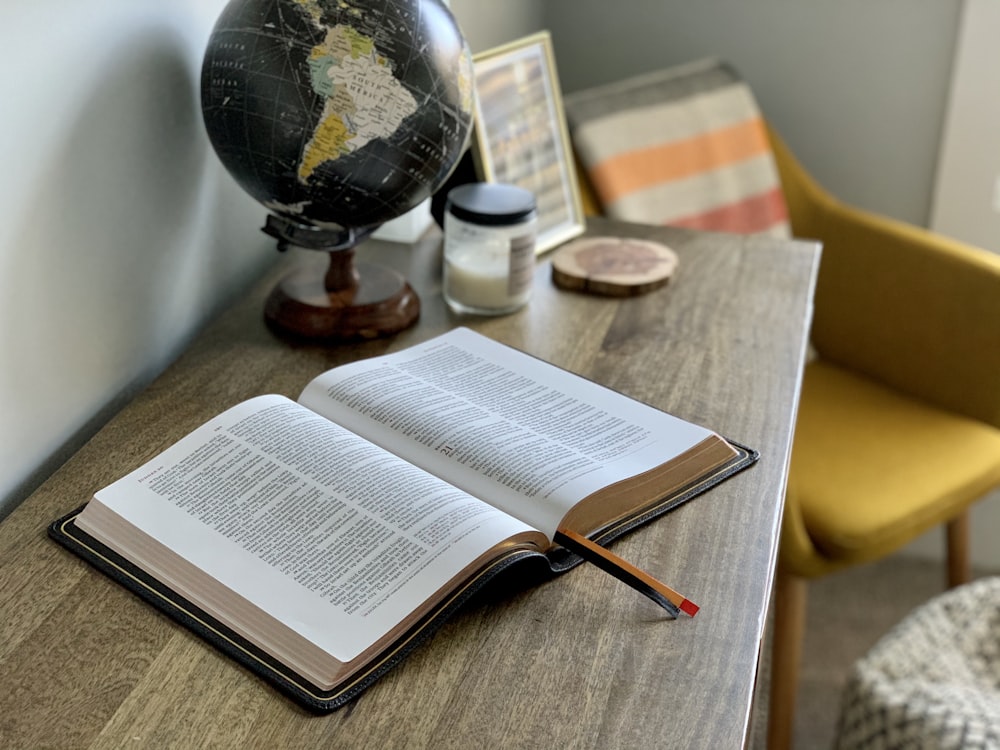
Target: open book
{"type": "Point", "coordinates": [317, 541]}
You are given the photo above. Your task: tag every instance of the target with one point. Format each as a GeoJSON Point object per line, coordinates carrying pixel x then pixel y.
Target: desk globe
{"type": "Point", "coordinates": [337, 116]}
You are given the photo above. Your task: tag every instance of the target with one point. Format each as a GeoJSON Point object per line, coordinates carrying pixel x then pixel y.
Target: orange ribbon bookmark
{"type": "Point", "coordinates": [659, 592]}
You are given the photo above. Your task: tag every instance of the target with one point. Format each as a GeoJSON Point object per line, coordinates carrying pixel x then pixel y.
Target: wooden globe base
{"type": "Point", "coordinates": [353, 301]}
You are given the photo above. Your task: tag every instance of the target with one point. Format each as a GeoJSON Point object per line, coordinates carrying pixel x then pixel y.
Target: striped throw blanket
{"type": "Point", "coordinates": [685, 146]}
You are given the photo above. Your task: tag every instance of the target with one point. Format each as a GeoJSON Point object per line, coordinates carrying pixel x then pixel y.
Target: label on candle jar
{"type": "Point", "coordinates": [522, 264]}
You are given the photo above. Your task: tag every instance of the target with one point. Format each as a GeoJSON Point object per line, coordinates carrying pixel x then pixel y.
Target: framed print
{"type": "Point", "coordinates": [521, 136]}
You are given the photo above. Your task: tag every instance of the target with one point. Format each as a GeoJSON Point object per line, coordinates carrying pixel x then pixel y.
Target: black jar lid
{"type": "Point", "coordinates": [491, 203]}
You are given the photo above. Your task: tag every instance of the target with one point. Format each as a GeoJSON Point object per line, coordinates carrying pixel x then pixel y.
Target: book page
{"type": "Point", "coordinates": [524, 435]}
{"type": "Point", "coordinates": [331, 535]}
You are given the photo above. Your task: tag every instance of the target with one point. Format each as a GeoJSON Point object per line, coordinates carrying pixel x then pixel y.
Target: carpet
{"type": "Point", "coordinates": [847, 613]}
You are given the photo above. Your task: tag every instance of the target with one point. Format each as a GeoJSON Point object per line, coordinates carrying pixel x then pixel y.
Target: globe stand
{"type": "Point", "coordinates": [351, 301]}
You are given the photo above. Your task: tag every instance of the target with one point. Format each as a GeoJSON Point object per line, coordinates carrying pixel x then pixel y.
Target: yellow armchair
{"type": "Point", "coordinates": [899, 421]}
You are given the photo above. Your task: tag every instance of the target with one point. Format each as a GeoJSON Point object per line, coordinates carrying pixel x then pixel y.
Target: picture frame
{"type": "Point", "coordinates": [521, 136]}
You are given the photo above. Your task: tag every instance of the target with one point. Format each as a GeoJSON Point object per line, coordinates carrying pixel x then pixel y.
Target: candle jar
{"type": "Point", "coordinates": [489, 248]}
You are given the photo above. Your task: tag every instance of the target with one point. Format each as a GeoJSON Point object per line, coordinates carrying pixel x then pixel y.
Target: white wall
{"type": "Point", "coordinates": [966, 200]}
{"type": "Point", "coordinates": [967, 192]}
{"type": "Point", "coordinates": [859, 89]}
{"type": "Point", "coordinates": [490, 24]}
{"type": "Point", "coordinates": [119, 231]}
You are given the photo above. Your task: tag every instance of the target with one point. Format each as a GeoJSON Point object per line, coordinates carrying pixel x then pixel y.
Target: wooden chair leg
{"type": "Point", "coordinates": [786, 654]}
{"type": "Point", "coordinates": [959, 567]}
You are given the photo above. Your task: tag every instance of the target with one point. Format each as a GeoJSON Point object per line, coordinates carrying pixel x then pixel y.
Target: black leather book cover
{"type": "Point", "coordinates": [65, 531]}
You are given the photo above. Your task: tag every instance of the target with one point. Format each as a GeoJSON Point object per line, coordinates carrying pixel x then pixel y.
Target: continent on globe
{"type": "Point", "coordinates": [363, 100]}
{"type": "Point", "coordinates": [338, 114]}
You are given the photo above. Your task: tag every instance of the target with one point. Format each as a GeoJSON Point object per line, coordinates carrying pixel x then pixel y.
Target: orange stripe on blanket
{"type": "Point", "coordinates": [758, 213]}
{"type": "Point", "coordinates": [630, 171]}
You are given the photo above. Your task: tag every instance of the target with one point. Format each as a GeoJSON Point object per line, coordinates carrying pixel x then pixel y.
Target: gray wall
{"type": "Point", "coordinates": [860, 89]}
{"type": "Point", "coordinates": [120, 234]}
{"type": "Point", "coordinates": [490, 24]}
{"type": "Point", "coordinates": [857, 87]}
{"type": "Point", "coordinates": [967, 190]}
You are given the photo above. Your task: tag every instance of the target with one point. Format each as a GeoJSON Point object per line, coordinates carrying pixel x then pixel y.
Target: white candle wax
{"type": "Point", "coordinates": [480, 279]}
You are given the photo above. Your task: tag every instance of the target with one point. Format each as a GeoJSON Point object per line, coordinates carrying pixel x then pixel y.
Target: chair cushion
{"type": "Point", "coordinates": [933, 681]}
{"type": "Point", "coordinates": [872, 469]}
{"type": "Point", "coordinates": [684, 146]}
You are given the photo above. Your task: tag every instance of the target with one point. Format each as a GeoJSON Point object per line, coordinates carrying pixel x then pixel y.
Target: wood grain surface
{"type": "Point", "coordinates": [580, 661]}
{"type": "Point", "coordinates": [614, 266]}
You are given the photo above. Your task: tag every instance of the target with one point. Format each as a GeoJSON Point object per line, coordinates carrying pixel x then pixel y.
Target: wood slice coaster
{"type": "Point", "coordinates": [613, 266]}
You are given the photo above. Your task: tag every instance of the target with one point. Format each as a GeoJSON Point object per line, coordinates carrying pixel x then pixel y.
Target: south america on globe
{"type": "Point", "coordinates": [338, 113]}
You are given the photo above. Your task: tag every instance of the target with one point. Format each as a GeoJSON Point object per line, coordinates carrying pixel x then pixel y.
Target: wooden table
{"type": "Point", "coordinates": [581, 661]}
